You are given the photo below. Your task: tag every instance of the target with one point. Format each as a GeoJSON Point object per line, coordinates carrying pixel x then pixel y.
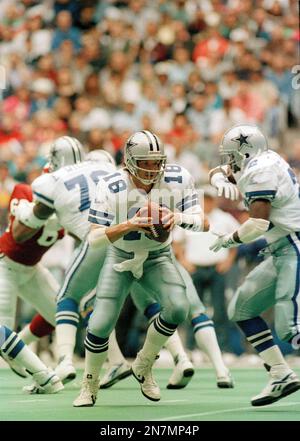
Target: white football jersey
{"type": "Point", "coordinates": [269, 176]}
{"type": "Point", "coordinates": [69, 191]}
{"type": "Point", "coordinates": [117, 199]}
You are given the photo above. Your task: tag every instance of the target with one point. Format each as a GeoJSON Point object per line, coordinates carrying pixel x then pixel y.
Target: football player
{"type": "Point", "coordinates": [271, 191]}
{"type": "Point", "coordinates": [67, 192]}
{"type": "Point", "coordinates": [133, 254]}
{"type": "Point", "coordinates": [21, 272]}
{"type": "Point", "coordinates": [11, 346]}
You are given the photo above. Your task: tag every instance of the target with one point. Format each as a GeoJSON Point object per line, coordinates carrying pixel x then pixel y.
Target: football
{"type": "Point", "coordinates": [157, 232]}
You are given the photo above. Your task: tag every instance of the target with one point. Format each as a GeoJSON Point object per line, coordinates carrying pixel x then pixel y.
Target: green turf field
{"type": "Point", "coordinates": [201, 400]}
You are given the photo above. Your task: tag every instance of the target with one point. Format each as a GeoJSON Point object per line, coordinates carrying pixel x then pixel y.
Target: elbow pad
{"type": "Point", "coordinates": [25, 214]}
{"type": "Point", "coordinates": [97, 238]}
{"type": "Point", "coordinates": [252, 229]}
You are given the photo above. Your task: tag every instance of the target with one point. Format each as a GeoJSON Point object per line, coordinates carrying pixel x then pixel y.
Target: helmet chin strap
{"type": "Point", "coordinates": [146, 181]}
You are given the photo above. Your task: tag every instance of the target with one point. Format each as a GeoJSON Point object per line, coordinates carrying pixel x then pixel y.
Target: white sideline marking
{"type": "Point", "coordinates": [214, 412]}
{"type": "Point", "coordinates": [174, 401]}
{"type": "Point", "coordinates": [31, 401]}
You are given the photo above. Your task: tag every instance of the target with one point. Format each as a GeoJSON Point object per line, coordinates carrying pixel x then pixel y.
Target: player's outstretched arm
{"type": "Point", "coordinates": [252, 229]}
{"type": "Point", "coordinates": [29, 219]}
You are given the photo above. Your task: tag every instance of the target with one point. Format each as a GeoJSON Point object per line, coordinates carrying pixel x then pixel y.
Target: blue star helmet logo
{"type": "Point", "coordinates": [242, 140]}
{"type": "Point", "coordinates": [130, 143]}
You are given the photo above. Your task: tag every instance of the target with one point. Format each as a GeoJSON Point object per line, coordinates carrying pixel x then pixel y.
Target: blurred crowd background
{"type": "Point", "coordinates": [186, 69]}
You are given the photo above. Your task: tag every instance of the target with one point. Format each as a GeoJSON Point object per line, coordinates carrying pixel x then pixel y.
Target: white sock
{"type": "Point", "coordinates": [153, 343]}
{"type": "Point", "coordinates": [30, 360]}
{"type": "Point", "coordinates": [93, 363]}
{"type": "Point", "coordinates": [207, 341]}
{"type": "Point", "coordinates": [65, 340]}
{"type": "Point", "coordinates": [114, 354]}
{"type": "Point", "coordinates": [273, 356]}
{"type": "Point", "coordinates": [27, 336]}
{"type": "Point", "coordinates": [175, 347]}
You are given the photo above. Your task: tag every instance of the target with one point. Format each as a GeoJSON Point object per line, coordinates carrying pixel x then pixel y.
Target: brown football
{"type": "Point", "coordinates": [157, 232]}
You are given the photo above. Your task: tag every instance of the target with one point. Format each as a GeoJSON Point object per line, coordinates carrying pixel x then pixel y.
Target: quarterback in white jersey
{"type": "Point", "coordinates": [118, 199]}
{"type": "Point", "coordinates": [121, 221]}
{"type": "Point", "coordinates": [271, 192]}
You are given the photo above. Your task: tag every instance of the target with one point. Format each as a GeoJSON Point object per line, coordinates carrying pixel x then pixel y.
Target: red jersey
{"type": "Point", "coordinates": [31, 251]}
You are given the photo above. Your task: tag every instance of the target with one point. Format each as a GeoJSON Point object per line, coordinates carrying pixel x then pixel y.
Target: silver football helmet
{"type": "Point", "coordinates": [65, 150]}
{"type": "Point", "coordinates": [100, 155]}
{"type": "Point", "coordinates": [145, 146]}
{"type": "Point", "coordinates": [240, 144]}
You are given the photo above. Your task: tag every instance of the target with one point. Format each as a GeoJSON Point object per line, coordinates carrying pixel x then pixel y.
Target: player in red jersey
{"type": "Point", "coordinates": [21, 273]}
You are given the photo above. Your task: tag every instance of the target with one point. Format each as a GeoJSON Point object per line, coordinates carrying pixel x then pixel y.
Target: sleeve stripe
{"type": "Point", "coordinates": [190, 204]}
{"type": "Point", "coordinates": [261, 193]}
{"type": "Point", "coordinates": [101, 214]}
{"type": "Point", "coordinates": [187, 200]}
{"type": "Point", "coordinates": [41, 196]}
{"type": "Point", "coordinates": [98, 221]}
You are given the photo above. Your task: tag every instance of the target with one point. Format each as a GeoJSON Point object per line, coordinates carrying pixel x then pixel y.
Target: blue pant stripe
{"type": "Point", "coordinates": [10, 343]}
{"type": "Point", "coordinates": [296, 292]}
{"type": "Point", "coordinates": [67, 305]}
{"type": "Point", "coordinates": [201, 318]}
{"type": "Point", "coordinates": [253, 326]}
{"type": "Point", "coordinates": [209, 325]}
{"type": "Point", "coordinates": [151, 310]}
{"type": "Point", "coordinates": [15, 351]}
{"type": "Point", "coordinates": [95, 339]}
{"type": "Point", "coordinates": [67, 322]}
{"type": "Point", "coordinates": [265, 345]}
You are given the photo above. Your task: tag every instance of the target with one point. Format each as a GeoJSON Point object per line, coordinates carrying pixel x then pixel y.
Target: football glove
{"type": "Point", "coordinates": [223, 241]}
{"type": "Point", "coordinates": [225, 187]}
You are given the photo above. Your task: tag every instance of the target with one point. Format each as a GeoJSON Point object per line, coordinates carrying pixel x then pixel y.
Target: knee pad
{"type": "Point", "coordinates": [178, 314]}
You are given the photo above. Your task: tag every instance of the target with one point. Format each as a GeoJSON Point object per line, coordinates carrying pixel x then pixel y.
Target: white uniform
{"type": "Point", "coordinates": [117, 199]}
{"type": "Point", "coordinates": [136, 256]}
{"type": "Point", "coordinates": [69, 192]}
{"type": "Point", "coordinates": [274, 282]}
{"type": "Point", "coordinates": [269, 176]}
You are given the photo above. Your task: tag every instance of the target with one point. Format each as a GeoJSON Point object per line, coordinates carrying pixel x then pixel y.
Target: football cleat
{"type": "Point", "coordinates": [182, 374]}
{"type": "Point", "coordinates": [65, 370]}
{"type": "Point", "coordinates": [45, 382]}
{"type": "Point", "coordinates": [88, 392]}
{"type": "Point", "coordinates": [225, 381]}
{"type": "Point", "coordinates": [283, 382]}
{"type": "Point", "coordinates": [16, 367]}
{"type": "Point", "coordinates": [114, 374]}
{"type": "Point", "coordinates": [142, 372]}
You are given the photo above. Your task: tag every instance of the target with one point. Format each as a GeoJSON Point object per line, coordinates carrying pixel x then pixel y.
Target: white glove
{"type": "Point", "coordinates": [223, 241]}
{"type": "Point", "coordinates": [225, 187]}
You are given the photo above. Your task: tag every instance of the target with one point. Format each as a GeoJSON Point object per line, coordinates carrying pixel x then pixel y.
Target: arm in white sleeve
{"type": "Point", "coordinates": [97, 237]}
{"type": "Point", "coordinates": [249, 231]}
{"type": "Point", "coordinates": [252, 229]}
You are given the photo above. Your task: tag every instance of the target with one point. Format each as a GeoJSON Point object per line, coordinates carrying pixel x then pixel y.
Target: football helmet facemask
{"type": "Point", "coordinates": [145, 146]}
